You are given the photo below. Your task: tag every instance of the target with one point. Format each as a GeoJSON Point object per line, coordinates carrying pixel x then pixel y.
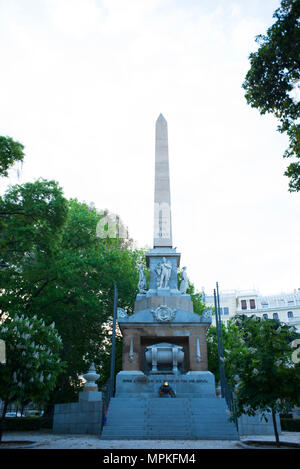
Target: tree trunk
{"type": "Point", "coordinates": [2, 419]}
{"type": "Point", "coordinates": [275, 428]}
{"type": "Point", "coordinates": [49, 411]}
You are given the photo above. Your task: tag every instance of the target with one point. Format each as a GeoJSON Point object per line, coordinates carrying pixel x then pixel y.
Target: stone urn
{"type": "Point", "coordinates": [164, 356]}
{"type": "Point", "coordinates": [91, 376]}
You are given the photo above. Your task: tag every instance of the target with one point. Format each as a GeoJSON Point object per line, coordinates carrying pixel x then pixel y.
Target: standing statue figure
{"type": "Point", "coordinates": [142, 285]}
{"type": "Point", "coordinates": [184, 284]}
{"type": "Point", "coordinates": [165, 275]}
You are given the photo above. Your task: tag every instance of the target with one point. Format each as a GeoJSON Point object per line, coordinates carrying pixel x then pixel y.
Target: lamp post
{"type": "Point", "coordinates": [219, 342]}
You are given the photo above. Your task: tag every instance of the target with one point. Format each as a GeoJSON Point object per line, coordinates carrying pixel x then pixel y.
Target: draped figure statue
{"type": "Point", "coordinates": [184, 284]}
{"type": "Point", "coordinates": [142, 285]}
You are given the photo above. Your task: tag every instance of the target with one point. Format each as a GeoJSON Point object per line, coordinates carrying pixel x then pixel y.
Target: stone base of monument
{"type": "Point", "coordinates": [82, 417]}
{"type": "Point", "coordinates": [257, 425]}
{"type": "Point", "coordinates": [196, 413]}
{"type": "Point", "coordinates": [191, 384]}
{"type": "Point", "coordinates": [154, 418]}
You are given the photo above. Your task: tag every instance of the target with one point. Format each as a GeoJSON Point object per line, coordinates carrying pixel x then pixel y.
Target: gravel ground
{"type": "Point", "coordinates": [56, 441]}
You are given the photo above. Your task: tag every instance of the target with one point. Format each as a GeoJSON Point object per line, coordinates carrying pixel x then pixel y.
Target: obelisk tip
{"type": "Point", "coordinates": [161, 118]}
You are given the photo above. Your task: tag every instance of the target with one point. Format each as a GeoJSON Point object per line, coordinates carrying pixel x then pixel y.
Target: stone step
{"type": "Point", "coordinates": [156, 418]}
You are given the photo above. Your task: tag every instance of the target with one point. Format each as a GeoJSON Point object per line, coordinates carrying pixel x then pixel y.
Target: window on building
{"type": "Point", "coordinates": [244, 304]}
{"type": "Point", "coordinates": [275, 316]}
{"type": "Point", "coordinates": [265, 316]}
{"type": "Point", "coordinates": [226, 310]}
{"type": "Point", "coordinates": [290, 314]}
{"type": "Point", "coordinates": [252, 304]}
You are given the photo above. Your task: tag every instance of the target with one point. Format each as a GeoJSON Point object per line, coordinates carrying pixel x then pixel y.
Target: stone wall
{"type": "Point", "coordinates": [257, 425]}
{"type": "Point", "coordinates": [81, 417]}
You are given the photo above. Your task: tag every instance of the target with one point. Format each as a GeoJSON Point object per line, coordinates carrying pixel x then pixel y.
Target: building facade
{"type": "Point", "coordinates": [285, 306]}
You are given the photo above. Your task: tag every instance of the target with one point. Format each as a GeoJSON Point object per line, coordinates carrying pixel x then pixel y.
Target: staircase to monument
{"type": "Point", "coordinates": [167, 418]}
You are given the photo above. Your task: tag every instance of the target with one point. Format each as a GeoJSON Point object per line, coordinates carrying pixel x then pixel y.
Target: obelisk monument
{"type": "Point", "coordinates": [165, 341]}
{"type": "Point", "coordinates": [163, 314]}
{"type": "Point", "coordinates": [162, 197]}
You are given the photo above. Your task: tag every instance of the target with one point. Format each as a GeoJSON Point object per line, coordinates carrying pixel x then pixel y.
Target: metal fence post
{"type": "Point", "coordinates": [113, 341]}
{"type": "Point", "coordinates": [225, 388]}
{"type": "Point", "coordinates": [109, 388]}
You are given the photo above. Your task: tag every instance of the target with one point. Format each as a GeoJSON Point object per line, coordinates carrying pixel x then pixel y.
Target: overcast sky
{"type": "Point", "coordinates": [82, 83]}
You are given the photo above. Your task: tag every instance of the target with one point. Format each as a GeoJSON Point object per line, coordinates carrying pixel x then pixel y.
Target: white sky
{"type": "Point", "coordinates": [82, 83]}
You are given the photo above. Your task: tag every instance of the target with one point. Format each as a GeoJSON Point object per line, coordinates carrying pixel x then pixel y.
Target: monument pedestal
{"type": "Point", "coordinates": [141, 330]}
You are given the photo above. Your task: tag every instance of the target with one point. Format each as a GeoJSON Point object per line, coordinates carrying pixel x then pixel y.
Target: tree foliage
{"type": "Point", "coordinates": [259, 365]}
{"type": "Point", "coordinates": [197, 298]}
{"type": "Point", "coordinates": [274, 76]}
{"type": "Point", "coordinates": [54, 266]}
{"type": "Point", "coordinates": [31, 216]}
{"type": "Point", "coordinates": [10, 152]}
{"type": "Point", "coordinates": [32, 360]}
{"type": "Point", "coordinates": [231, 340]}
{"type": "Point", "coordinates": [65, 273]}
{"type": "Point", "coordinates": [267, 377]}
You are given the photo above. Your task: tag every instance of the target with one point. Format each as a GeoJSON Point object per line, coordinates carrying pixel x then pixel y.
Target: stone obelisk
{"type": "Point", "coordinates": [164, 340]}
{"type": "Point", "coordinates": [162, 197]}
{"type": "Point", "coordinates": [163, 314]}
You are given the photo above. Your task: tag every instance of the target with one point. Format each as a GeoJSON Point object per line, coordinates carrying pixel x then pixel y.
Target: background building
{"type": "Point", "coordinates": [285, 306]}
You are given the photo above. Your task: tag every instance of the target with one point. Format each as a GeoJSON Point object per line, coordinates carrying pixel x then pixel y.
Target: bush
{"type": "Point", "coordinates": [286, 416]}
{"type": "Point", "coordinates": [23, 424]}
{"type": "Point", "coordinates": [290, 425]}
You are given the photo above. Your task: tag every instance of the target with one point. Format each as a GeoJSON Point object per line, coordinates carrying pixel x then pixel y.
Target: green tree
{"type": "Point", "coordinates": [273, 77]}
{"type": "Point", "coordinates": [10, 152]}
{"type": "Point", "coordinates": [231, 341]}
{"type": "Point", "coordinates": [196, 297]}
{"type": "Point", "coordinates": [32, 360]}
{"type": "Point", "coordinates": [31, 216]}
{"type": "Point", "coordinates": [71, 283]}
{"type": "Point", "coordinates": [259, 366]}
{"type": "Point", "coordinates": [212, 352]}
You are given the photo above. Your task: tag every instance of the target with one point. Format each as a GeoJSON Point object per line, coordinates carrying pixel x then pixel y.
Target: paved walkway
{"type": "Point", "coordinates": [55, 441]}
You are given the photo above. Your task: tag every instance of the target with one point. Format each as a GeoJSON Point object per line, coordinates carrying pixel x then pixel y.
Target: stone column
{"type": "Point", "coordinates": [197, 340]}
{"type": "Point", "coordinates": [198, 353]}
{"type": "Point", "coordinates": [175, 359]}
{"type": "Point", "coordinates": [131, 349]}
{"type": "Point", "coordinates": [154, 359]}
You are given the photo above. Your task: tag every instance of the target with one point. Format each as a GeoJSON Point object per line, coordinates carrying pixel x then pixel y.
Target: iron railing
{"type": "Point", "coordinates": [226, 391]}
{"type": "Point", "coordinates": [107, 394]}
{"type": "Point", "coordinates": [109, 388]}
